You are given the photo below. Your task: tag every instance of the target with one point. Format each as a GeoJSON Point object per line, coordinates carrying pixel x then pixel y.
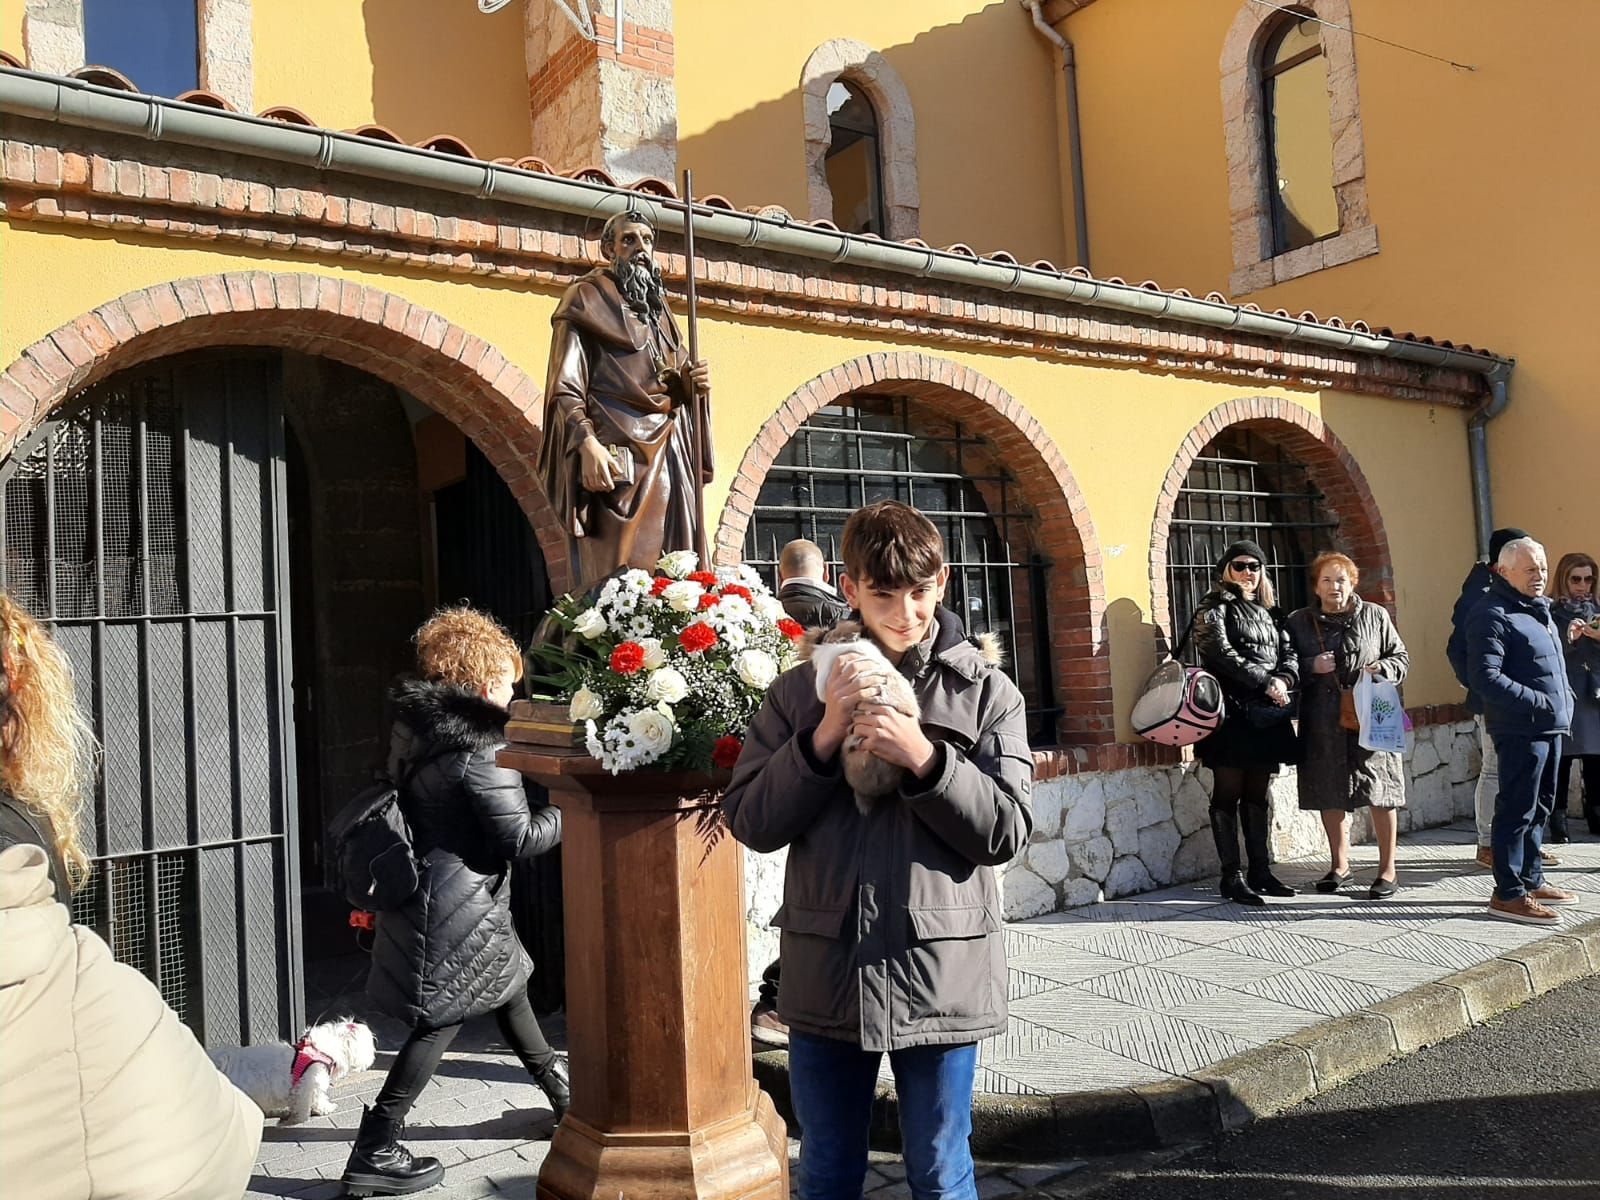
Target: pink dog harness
{"type": "Point", "coordinates": [305, 1054]}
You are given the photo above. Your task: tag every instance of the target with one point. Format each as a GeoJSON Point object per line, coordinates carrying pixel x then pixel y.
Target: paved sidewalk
{"type": "Point", "coordinates": [1140, 993]}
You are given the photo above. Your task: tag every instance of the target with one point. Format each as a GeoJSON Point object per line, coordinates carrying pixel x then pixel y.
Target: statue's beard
{"type": "Point", "coordinates": [639, 281]}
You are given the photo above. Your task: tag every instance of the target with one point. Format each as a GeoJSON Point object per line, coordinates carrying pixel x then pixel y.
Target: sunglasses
{"type": "Point", "coordinates": [1244, 564]}
{"type": "Point", "coordinates": [1576, 578]}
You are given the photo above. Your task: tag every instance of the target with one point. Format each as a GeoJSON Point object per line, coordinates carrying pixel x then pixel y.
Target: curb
{"type": "Point", "coordinates": [1258, 1083]}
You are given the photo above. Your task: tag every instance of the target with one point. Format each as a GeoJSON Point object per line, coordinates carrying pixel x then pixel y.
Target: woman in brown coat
{"type": "Point", "coordinates": [1338, 638]}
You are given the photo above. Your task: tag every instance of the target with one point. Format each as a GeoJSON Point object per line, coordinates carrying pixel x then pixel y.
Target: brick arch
{"type": "Point", "coordinates": [459, 376]}
{"type": "Point", "coordinates": [1330, 466]}
{"type": "Point", "coordinates": [1065, 531]}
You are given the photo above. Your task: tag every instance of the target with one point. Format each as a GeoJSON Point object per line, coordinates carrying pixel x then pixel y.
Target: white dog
{"type": "Point", "coordinates": [292, 1082]}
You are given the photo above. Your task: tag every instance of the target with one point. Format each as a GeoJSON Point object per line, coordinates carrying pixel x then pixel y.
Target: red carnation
{"type": "Point", "coordinates": [707, 600]}
{"type": "Point", "coordinates": [660, 584]}
{"type": "Point", "coordinates": [791, 629]}
{"type": "Point", "coordinates": [704, 578]}
{"type": "Point", "coordinates": [627, 658]}
{"type": "Point", "coordinates": [726, 752]}
{"type": "Point", "coordinates": [698, 637]}
{"type": "Point", "coordinates": [733, 589]}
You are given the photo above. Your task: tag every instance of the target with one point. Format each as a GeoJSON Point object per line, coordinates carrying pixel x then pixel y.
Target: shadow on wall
{"type": "Point", "coordinates": [1137, 644]}
{"type": "Point", "coordinates": [997, 126]}
{"type": "Point", "coordinates": [422, 49]}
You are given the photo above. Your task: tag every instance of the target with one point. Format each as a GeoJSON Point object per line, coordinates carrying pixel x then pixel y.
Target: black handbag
{"type": "Point", "coordinates": [1262, 713]}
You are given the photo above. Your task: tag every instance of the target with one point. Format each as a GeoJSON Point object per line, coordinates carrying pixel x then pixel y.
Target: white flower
{"type": "Point", "coordinates": [755, 667]}
{"type": "Point", "coordinates": [678, 563]}
{"type": "Point", "coordinates": [652, 733]}
{"type": "Point", "coordinates": [666, 684]}
{"type": "Point", "coordinates": [769, 606]}
{"type": "Point", "coordinates": [585, 706]}
{"type": "Point", "coordinates": [590, 623]}
{"type": "Point", "coordinates": [654, 655]}
{"type": "Point", "coordinates": [635, 580]}
{"type": "Point", "coordinates": [683, 596]}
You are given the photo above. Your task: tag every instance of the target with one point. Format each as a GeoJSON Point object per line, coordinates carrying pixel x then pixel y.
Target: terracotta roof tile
{"type": "Point", "coordinates": [378, 133]}
{"type": "Point", "coordinates": [445, 143]}
{"type": "Point", "coordinates": [9, 61]}
{"type": "Point", "coordinates": [286, 114]}
{"type": "Point", "coordinates": [650, 185]}
{"type": "Point", "coordinates": [206, 99]}
{"type": "Point", "coordinates": [592, 174]}
{"type": "Point", "coordinates": [108, 77]}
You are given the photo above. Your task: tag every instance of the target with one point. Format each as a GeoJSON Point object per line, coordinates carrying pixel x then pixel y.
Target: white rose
{"type": "Point", "coordinates": [683, 596]}
{"type": "Point", "coordinates": [652, 733]}
{"type": "Point", "coordinates": [585, 706]}
{"type": "Point", "coordinates": [654, 655]}
{"type": "Point", "coordinates": [678, 563]}
{"type": "Point", "coordinates": [591, 623]}
{"type": "Point", "coordinates": [755, 667]}
{"type": "Point", "coordinates": [770, 607]}
{"type": "Point", "coordinates": [668, 685]}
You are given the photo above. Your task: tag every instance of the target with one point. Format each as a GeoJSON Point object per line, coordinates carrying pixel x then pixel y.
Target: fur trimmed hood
{"type": "Point", "coordinates": [448, 715]}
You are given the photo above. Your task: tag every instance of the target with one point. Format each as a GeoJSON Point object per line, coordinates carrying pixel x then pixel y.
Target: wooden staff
{"type": "Point", "coordinates": [699, 408]}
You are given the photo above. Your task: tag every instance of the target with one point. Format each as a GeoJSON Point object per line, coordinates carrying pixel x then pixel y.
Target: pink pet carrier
{"type": "Point", "coordinates": [1178, 705]}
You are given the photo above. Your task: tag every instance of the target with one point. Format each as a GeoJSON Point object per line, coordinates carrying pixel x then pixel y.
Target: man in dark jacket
{"type": "Point", "coordinates": [892, 941]}
{"type": "Point", "coordinates": [1517, 669]}
{"type": "Point", "coordinates": [808, 598]}
{"type": "Point", "coordinates": [1473, 589]}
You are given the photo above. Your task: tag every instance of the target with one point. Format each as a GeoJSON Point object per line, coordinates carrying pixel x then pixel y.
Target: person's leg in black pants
{"type": "Point", "coordinates": [1256, 818]}
{"type": "Point", "coordinates": [1557, 830]}
{"type": "Point", "coordinates": [1227, 787]}
{"type": "Point", "coordinates": [1591, 791]}
{"type": "Point", "coordinates": [520, 1028]}
{"type": "Point", "coordinates": [378, 1161]}
{"type": "Point", "coordinates": [413, 1066]}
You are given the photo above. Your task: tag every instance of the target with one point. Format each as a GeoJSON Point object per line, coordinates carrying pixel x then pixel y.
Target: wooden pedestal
{"type": "Point", "coordinates": [664, 1106]}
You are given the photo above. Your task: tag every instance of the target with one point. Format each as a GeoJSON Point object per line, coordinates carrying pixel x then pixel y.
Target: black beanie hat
{"type": "Point", "coordinates": [1499, 538]}
{"type": "Point", "coordinates": [1242, 547]}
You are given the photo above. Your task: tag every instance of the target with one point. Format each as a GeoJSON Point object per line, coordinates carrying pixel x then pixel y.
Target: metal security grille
{"type": "Point", "coordinates": [1243, 486]}
{"type": "Point", "coordinates": [145, 525]}
{"type": "Point", "coordinates": [870, 448]}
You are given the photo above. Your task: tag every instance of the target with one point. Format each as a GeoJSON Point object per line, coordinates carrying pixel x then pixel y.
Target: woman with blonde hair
{"type": "Point", "coordinates": [450, 952]}
{"type": "Point", "coordinates": [1574, 610]}
{"type": "Point", "coordinates": [1339, 637]}
{"type": "Point", "coordinates": [47, 750]}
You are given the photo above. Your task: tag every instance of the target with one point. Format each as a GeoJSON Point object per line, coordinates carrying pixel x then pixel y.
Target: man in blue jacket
{"type": "Point", "coordinates": [1517, 670]}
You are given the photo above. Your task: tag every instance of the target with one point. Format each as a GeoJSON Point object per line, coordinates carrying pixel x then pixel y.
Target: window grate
{"type": "Point", "coordinates": [870, 448]}
{"type": "Point", "coordinates": [144, 905]}
{"type": "Point", "coordinates": [1243, 486]}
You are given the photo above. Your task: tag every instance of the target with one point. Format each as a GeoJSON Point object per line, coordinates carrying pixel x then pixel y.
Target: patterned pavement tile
{"type": "Point", "coordinates": [1136, 944]}
{"type": "Point", "coordinates": [1020, 941]}
{"type": "Point", "coordinates": [1170, 1045]}
{"type": "Point", "coordinates": [1021, 1037]}
{"type": "Point", "coordinates": [1122, 911]}
{"type": "Point", "coordinates": [1205, 930]}
{"type": "Point", "coordinates": [1317, 992]}
{"type": "Point", "coordinates": [1149, 988]}
{"type": "Point", "coordinates": [1285, 946]}
{"type": "Point", "coordinates": [1253, 1019]}
{"type": "Point", "coordinates": [1066, 964]}
{"type": "Point", "coordinates": [1077, 1067]}
{"type": "Point", "coordinates": [1488, 931]}
{"type": "Point", "coordinates": [1219, 965]}
{"type": "Point", "coordinates": [1432, 948]}
{"type": "Point", "coordinates": [1075, 1011]}
{"type": "Point", "coordinates": [1061, 928]}
{"type": "Point", "coordinates": [1383, 971]}
{"type": "Point", "coordinates": [1345, 929]}
{"type": "Point", "coordinates": [1021, 983]}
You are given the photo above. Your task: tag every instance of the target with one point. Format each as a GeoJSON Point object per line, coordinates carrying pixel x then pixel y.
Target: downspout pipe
{"type": "Point", "coordinates": [75, 104]}
{"type": "Point", "coordinates": [1499, 380]}
{"type": "Point", "coordinates": [1069, 74]}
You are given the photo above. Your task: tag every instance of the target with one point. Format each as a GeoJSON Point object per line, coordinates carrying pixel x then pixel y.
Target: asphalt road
{"type": "Point", "coordinates": [1508, 1111]}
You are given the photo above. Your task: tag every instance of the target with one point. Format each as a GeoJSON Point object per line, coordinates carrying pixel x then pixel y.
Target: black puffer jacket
{"type": "Point", "coordinates": [451, 952]}
{"type": "Point", "coordinates": [1245, 644]}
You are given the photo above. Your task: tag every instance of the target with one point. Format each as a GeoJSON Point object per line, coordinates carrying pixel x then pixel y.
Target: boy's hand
{"type": "Point", "coordinates": [894, 737]}
{"type": "Point", "coordinates": [852, 680]}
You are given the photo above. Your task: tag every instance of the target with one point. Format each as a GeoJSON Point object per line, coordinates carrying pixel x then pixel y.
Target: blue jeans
{"type": "Point", "coordinates": [832, 1082]}
{"type": "Point", "coordinates": [1527, 793]}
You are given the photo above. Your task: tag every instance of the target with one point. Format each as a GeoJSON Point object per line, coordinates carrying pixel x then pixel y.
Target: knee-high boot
{"type": "Point", "coordinates": [1225, 831]}
{"type": "Point", "coordinates": [1257, 821]}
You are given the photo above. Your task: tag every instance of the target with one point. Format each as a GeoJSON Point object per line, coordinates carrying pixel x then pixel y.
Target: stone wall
{"type": "Point", "coordinates": [1111, 834]}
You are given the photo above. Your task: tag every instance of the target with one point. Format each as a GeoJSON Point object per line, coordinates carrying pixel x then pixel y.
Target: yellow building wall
{"type": "Point", "coordinates": [982, 83]}
{"type": "Point", "coordinates": [1481, 184]}
{"type": "Point", "coordinates": [1118, 430]}
{"type": "Point", "coordinates": [11, 14]}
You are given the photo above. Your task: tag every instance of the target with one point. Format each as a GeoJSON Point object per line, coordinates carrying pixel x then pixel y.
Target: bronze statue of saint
{"type": "Point", "coordinates": [627, 438]}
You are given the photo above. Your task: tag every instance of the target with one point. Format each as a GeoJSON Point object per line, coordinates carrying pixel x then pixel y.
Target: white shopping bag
{"type": "Point", "coordinates": [1383, 721]}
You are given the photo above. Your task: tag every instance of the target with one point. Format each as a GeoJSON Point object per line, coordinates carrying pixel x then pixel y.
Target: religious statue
{"type": "Point", "coordinates": [627, 434]}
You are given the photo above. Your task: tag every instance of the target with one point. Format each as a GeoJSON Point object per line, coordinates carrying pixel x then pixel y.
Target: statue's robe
{"type": "Point", "coordinates": [603, 380]}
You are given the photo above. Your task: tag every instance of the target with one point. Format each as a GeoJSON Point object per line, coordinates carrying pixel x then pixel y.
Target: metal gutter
{"type": "Point", "coordinates": [1069, 75]}
{"type": "Point", "coordinates": [1499, 399]}
{"type": "Point", "coordinates": [74, 103]}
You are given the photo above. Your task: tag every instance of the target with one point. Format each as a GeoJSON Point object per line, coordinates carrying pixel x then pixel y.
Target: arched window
{"type": "Point", "coordinates": [864, 448]}
{"type": "Point", "coordinates": [1299, 150]}
{"type": "Point", "coordinates": [854, 163]}
{"type": "Point", "coordinates": [155, 43]}
{"type": "Point", "coordinates": [1241, 485]}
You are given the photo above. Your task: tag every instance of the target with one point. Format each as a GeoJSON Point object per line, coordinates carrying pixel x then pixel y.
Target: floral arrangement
{"type": "Point", "coordinates": [667, 669]}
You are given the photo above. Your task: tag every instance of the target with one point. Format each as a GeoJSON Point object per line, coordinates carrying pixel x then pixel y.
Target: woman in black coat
{"type": "Point", "coordinates": [451, 953]}
{"type": "Point", "coordinates": [1243, 642]}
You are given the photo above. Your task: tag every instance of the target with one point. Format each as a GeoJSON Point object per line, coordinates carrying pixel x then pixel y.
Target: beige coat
{"type": "Point", "coordinates": [103, 1092]}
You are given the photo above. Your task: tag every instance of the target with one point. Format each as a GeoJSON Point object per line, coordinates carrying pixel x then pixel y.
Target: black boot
{"type": "Point", "coordinates": [1557, 831]}
{"type": "Point", "coordinates": [553, 1081]}
{"type": "Point", "coordinates": [1591, 814]}
{"type": "Point", "coordinates": [1236, 889]}
{"type": "Point", "coordinates": [1256, 820]}
{"type": "Point", "coordinates": [380, 1166]}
